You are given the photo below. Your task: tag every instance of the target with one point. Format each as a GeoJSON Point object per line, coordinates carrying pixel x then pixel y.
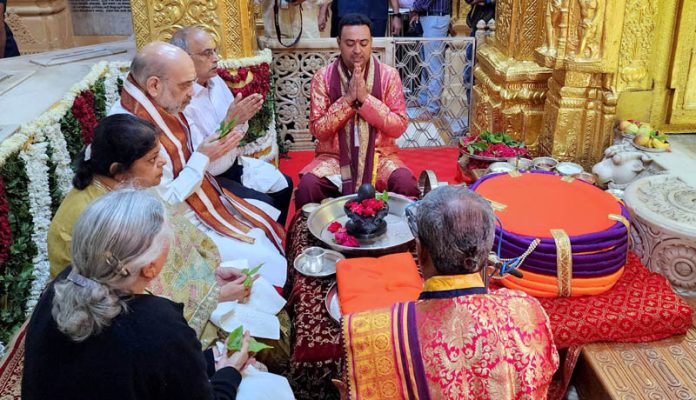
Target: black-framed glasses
{"type": "Point", "coordinates": [411, 211]}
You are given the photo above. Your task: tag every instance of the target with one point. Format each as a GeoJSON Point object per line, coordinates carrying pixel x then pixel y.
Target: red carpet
{"type": "Point", "coordinates": [441, 160]}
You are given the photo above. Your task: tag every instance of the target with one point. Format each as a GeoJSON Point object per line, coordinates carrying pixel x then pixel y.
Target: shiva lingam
{"type": "Point", "coordinates": [366, 214]}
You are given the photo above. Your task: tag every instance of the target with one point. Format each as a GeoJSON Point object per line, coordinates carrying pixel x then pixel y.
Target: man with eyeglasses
{"type": "Point", "coordinates": [357, 112]}
{"type": "Point", "coordinates": [457, 341]}
{"type": "Point", "coordinates": [157, 90]}
{"type": "Point", "coordinates": [212, 102]}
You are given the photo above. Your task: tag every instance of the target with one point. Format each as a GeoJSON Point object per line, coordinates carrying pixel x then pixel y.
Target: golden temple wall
{"type": "Point", "coordinates": [510, 87]}
{"type": "Point", "coordinates": [560, 72]}
{"type": "Point", "coordinates": [232, 23]}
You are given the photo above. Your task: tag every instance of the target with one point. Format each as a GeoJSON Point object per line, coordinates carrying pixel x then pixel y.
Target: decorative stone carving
{"type": "Point", "coordinates": [663, 211]}
{"type": "Point", "coordinates": [40, 26]}
{"type": "Point", "coordinates": [622, 164]}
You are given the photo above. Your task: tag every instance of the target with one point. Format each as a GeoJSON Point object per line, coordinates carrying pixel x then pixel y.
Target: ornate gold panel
{"type": "Point", "coordinates": [231, 22]}
{"type": "Point", "coordinates": [683, 77]}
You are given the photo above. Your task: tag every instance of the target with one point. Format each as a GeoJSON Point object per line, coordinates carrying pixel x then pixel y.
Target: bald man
{"type": "Point", "coordinates": [212, 103]}
{"type": "Point", "coordinates": [158, 88]}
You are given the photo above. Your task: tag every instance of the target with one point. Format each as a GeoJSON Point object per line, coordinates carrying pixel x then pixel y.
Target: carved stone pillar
{"type": "Point", "coordinates": [510, 87]}
{"type": "Point", "coordinates": [663, 212]}
{"type": "Point", "coordinates": [231, 22]}
{"type": "Point", "coordinates": [581, 43]}
{"type": "Point", "coordinates": [40, 25]}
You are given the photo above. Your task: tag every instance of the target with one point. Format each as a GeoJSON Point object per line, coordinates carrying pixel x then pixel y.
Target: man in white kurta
{"type": "Point", "coordinates": [161, 82]}
{"type": "Point", "coordinates": [212, 103]}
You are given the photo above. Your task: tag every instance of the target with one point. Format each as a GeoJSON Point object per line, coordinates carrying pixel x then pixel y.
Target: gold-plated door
{"type": "Point", "coordinates": [683, 70]}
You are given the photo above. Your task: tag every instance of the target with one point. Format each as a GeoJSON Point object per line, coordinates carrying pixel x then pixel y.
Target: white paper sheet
{"type": "Point", "coordinates": [230, 315]}
{"type": "Point", "coordinates": [258, 385]}
{"type": "Point", "coordinates": [258, 315]}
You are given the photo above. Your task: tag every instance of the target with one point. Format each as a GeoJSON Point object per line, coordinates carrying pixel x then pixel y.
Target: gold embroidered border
{"type": "Point", "coordinates": [496, 206]}
{"type": "Point", "coordinates": [626, 223]}
{"type": "Point", "coordinates": [514, 174]}
{"type": "Point", "coordinates": [568, 179]}
{"type": "Point", "coordinates": [564, 262]}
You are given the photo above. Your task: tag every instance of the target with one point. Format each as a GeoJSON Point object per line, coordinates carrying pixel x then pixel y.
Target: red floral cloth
{"type": "Point", "coordinates": [641, 307]}
{"type": "Point", "coordinates": [12, 367]}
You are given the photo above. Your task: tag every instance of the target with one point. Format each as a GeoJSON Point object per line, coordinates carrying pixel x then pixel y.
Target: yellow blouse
{"type": "Point", "coordinates": [60, 231]}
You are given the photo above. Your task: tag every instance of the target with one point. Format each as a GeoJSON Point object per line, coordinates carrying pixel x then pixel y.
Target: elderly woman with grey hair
{"type": "Point", "coordinates": [96, 333]}
{"type": "Point", "coordinates": [458, 340]}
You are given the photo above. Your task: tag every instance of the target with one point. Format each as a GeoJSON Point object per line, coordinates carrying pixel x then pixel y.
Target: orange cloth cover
{"type": "Point", "coordinates": [537, 203]}
{"type": "Point", "coordinates": [368, 283]}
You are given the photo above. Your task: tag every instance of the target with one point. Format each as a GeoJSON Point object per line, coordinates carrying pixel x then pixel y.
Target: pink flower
{"type": "Point", "coordinates": [334, 227]}
{"type": "Point", "coordinates": [344, 239]}
{"type": "Point", "coordinates": [374, 204]}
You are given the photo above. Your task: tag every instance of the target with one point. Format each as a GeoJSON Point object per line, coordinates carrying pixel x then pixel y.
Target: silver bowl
{"type": "Point", "coordinates": [520, 163]}
{"type": "Point", "coordinates": [544, 163]}
{"type": "Point", "coordinates": [569, 168]}
{"type": "Point", "coordinates": [397, 238]}
{"type": "Point", "coordinates": [500, 167]}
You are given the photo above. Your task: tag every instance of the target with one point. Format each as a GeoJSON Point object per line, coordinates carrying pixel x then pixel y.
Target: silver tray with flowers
{"type": "Point", "coordinates": [327, 223]}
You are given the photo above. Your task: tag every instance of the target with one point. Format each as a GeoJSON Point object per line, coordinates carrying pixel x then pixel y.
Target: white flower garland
{"type": "Point", "coordinates": [60, 157]}
{"type": "Point", "coordinates": [263, 143]}
{"type": "Point", "coordinates": [35, 159]}
{"type": "Point", "coordinates": [264, 56]}
{"type": "Point", "coordinates": [2, 350]}
{"type": "Point", "coordinates": [117, 69]}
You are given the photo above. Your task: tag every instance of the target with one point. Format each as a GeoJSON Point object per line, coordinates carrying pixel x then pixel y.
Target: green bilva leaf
{"type": "Point", "coordinates": [384, 196]}
{"type": "Point", "coordinates": [234, 342]}
{"type": "Point", "coordinates": [250, 274]}
{"type": "Point", "coordinates": [225, 128]}
{"type": "Point", "coordinates": [496, 139]}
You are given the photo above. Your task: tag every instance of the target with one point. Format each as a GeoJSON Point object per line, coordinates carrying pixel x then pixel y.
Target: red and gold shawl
{"type": "Point", "coordinates": [216, 207]}
{"type": "Point", "coordinates": [456, 342]}
{"type": "Point", "coordinates": [376, 125]}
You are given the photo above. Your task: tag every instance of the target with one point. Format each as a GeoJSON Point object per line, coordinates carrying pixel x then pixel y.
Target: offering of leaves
{"type": "Point", "coordinates": [493, 145]}
{"type": "Point", "coordinates": [250, 274]}
{"type": "Point", "coordinates": [226, 127]}
{"type": "Point", "coordinates": [234, 342]}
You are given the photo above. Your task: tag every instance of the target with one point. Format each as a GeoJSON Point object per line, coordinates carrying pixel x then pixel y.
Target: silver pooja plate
{"type": "Point", "coordinates": [328, 264]}
{"type": "Point", "coordinates": [398, 234]}
{"type": "Point", "coordinates": [331, 303]}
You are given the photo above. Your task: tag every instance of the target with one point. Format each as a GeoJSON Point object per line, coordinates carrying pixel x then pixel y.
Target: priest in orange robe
{"type": "Point", "coordinates": [357, 113]}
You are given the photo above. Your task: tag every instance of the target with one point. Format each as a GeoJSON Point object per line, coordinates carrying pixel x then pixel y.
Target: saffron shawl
{"type": "Point", "coordinates": [454, 343]}
{"type": "Point", "coordinates": [219, 209]}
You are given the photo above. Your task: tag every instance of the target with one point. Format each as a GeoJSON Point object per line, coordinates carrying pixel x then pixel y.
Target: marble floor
{"type": "Point", "coordinates": [687, 141]}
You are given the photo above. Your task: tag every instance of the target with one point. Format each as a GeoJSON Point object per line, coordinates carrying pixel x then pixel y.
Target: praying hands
{"type": "Point", "coordinates": [243, 109]}
{"type": "Point", "coordinates": [357, 88]}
